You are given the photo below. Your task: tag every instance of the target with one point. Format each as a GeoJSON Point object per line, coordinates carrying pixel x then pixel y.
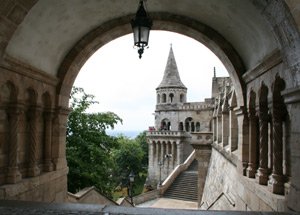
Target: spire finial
{"type": "Point", "coordinates": [170, 45]}
{"type": "Point", "coordinates": [214, 71]}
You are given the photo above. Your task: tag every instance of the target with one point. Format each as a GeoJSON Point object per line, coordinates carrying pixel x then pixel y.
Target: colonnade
{"type": "Point", "coordinates": [31, 142]}
{"type": "Point", "coordinates": [260, 132]}
{"type": "Point", "coordinates": [164, 156]}
{"type": "Point", "coordinates": [225, 124]}
{"type": "Point", "coordinates": [268, 162]}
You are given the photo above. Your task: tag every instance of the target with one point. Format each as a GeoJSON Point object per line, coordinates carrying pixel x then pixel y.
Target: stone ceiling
{"type": "Point", "coordinates": [52, 27]}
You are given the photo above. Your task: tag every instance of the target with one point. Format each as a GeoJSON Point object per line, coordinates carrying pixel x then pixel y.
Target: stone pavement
{"type": "Point", "coordinates": [38, 208]}
{"type": "Point", "coordinates": [169, 203]}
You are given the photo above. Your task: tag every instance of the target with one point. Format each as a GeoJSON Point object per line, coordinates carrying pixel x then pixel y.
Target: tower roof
{"type": "Point", "coordinates": [171, 76]}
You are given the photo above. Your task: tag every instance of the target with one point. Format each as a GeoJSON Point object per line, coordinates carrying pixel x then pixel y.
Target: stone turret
{"type": "Point", "coordinates": [171, 90]}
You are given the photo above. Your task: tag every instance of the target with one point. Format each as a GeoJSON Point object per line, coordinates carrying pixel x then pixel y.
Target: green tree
{"type": "Point", "coordinates": [141, 139]}
{"type": "Point", "coordinates": [128, 156]}
{"type": "Point", "coordinates": [89, 148]}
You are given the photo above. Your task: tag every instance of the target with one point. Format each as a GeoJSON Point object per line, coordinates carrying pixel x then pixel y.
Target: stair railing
{"type": "Point", "coordinates": [175, 173]}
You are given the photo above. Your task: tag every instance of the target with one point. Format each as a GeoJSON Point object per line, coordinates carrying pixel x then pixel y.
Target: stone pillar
{"type": "Point", "coordinates": [270, 144]}
{"type": "Point", "coordinates": [219, 128]}
{"type": "Point", "coordinates": [243, 139]}
{"type": "Point", "coordinates": [262, 173]}
{"type": "Point", "coordinates": [174, 155]}
{"type": "Point", "coordinates": [59, 138]}
{"type": "Point", "coordinates": [179, 153]}
{"type": "Point", "coordinates": [225, 123]}
{"type": "Point", "coordinates": [202, 155]}
{"type": "Point", "coordinates": [48, 164]}
{"type": "Point", "coordinates": [233, 130]}
{"type": "Point", "coordinates": [14, 113]}
{"type": "Point", "coordinates": [279, 112]}
{"type": "Point", "coordinates": [214, 128]}
{"type": "Point", "coordinates": [276, 182]}
{"type": "Point", "coordinates": [158, 148]}
{"type": "Point", "coordinates": [34, 114]}
{"type": "Point", "coordinates": [151, 155]}
{"type": "Point", "coordinates": [252, 165]}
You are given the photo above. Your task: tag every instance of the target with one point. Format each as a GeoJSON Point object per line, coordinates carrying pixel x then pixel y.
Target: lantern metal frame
{"type": "Point", "coordinates": [141, 26]}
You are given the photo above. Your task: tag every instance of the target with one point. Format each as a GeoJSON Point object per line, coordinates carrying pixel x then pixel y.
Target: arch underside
{"type": "Point", "coordinates": [43, 45]}
{"type": "Point", "coordinates": [95, 39]}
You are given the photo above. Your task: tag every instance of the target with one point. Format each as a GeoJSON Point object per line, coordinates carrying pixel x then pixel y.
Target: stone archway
{"type": "Point", "coordinates": [111, 30]}
{"type": "Point", "coordinates": [19, 71]}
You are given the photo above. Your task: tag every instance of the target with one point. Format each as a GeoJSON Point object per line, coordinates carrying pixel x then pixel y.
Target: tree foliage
{"type": "Point", "coordinates": [95, 158]}
{"type": "Point", "coordinates": [89, 148]}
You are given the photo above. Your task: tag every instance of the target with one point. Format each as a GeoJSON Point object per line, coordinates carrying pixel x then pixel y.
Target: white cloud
{"type": "Point", "coordinates": [126, 85]}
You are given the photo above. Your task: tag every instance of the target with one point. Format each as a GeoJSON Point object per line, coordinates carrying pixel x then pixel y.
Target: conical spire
{"type": "Point", "coordinates": [171, 76]}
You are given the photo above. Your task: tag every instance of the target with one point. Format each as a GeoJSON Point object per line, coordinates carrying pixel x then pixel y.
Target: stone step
{"type": "Point", "coordinates": [185, 185]}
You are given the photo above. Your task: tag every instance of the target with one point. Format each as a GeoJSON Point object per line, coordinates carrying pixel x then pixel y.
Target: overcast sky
{"type": "Point", "coordinates": [125, 84]}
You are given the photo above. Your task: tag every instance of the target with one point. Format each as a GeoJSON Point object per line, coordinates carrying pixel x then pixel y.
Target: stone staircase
{"type": "Point", "coordinates": [185, 185]}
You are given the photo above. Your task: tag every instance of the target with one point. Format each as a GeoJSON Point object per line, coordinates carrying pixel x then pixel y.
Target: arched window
{"type": "Point", "coordinates": [188, 124]}
{"type": "Point", "coordinates": [171, 97]}
{"type": "Point", "coordinates": [197, 126]}
{"type": "Point", "coordinates": [164, 98]}
{"type": "Point", "coordinates": [192, 127]}
{"type": "Point", "coordinates": [165, 125]}
{"type": "Point", "coordinates": [158, 99]}
{"type": "Point", "coordinates": [181, 97]}
{"type": "Point", "coordinates": [180, 127]}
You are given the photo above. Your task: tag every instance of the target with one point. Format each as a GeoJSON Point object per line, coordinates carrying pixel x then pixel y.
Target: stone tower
{"type": "Point", "coordinates": [178, 123]}
{"type": "Point", "coordinates": [171, 93]}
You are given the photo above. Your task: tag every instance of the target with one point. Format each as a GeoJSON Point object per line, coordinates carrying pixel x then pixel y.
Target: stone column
{"type": "Point", "coordinates": [214, 124]}
{"type": "Point", "coordinates": [14, 113]}
{"type": "Point", "coordinates": [34, 114]}
{"type": "Point", "coordinates": [276, 182]}
{"type": "Point", "coordinates": [158, 147]}
{"type": "Point", "coordinates": [151, 155]}
{"type": "Point", "coordinates": [174, 155]}
{"type": "Point", "coordinates": [59, 138]}
{"type": "Point", "coordinates": [225, 123]}
{"type": "Point", "coordinates": [262, 173]}
{"type": "Point", "coordinates": [233, 130]}
{"type": "Point", "coordinates": [243, 139]}
{"type": "Point", "coordinates": [48, 164]}
{"type": "Point", "coordinates": [252, 165]}
{"type": "Point", "coordinates": [219, 128]}
{"type": "Point", "coordinates": [179, 153]}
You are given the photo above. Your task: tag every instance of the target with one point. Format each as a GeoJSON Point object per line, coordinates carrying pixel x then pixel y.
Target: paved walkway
{"type": "Point", "coordinates": [169, 203]}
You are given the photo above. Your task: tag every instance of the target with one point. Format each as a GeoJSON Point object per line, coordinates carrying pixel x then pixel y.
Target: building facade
{"type": "Point", "coordinates": [179, 123]}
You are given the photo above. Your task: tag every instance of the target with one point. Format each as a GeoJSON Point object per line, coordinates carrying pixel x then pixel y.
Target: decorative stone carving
{"type": "Point", "coordinates": [276, 182]}
{"type": "Point", "coordinates": [252, 165]}
{"type": "Point", "coordinates": [262, 174]}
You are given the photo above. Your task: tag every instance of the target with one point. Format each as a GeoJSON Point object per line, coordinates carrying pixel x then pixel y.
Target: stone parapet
{"type": "Point", "coordinates": [167, 134]}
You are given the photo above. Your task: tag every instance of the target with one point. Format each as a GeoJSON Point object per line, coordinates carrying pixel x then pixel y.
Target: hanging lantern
{"type": "Point", "coordinates": [141, 26]}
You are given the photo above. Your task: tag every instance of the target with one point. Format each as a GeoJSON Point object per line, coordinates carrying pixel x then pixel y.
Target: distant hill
{"type": "Point", "coordinates": [129, 134]}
